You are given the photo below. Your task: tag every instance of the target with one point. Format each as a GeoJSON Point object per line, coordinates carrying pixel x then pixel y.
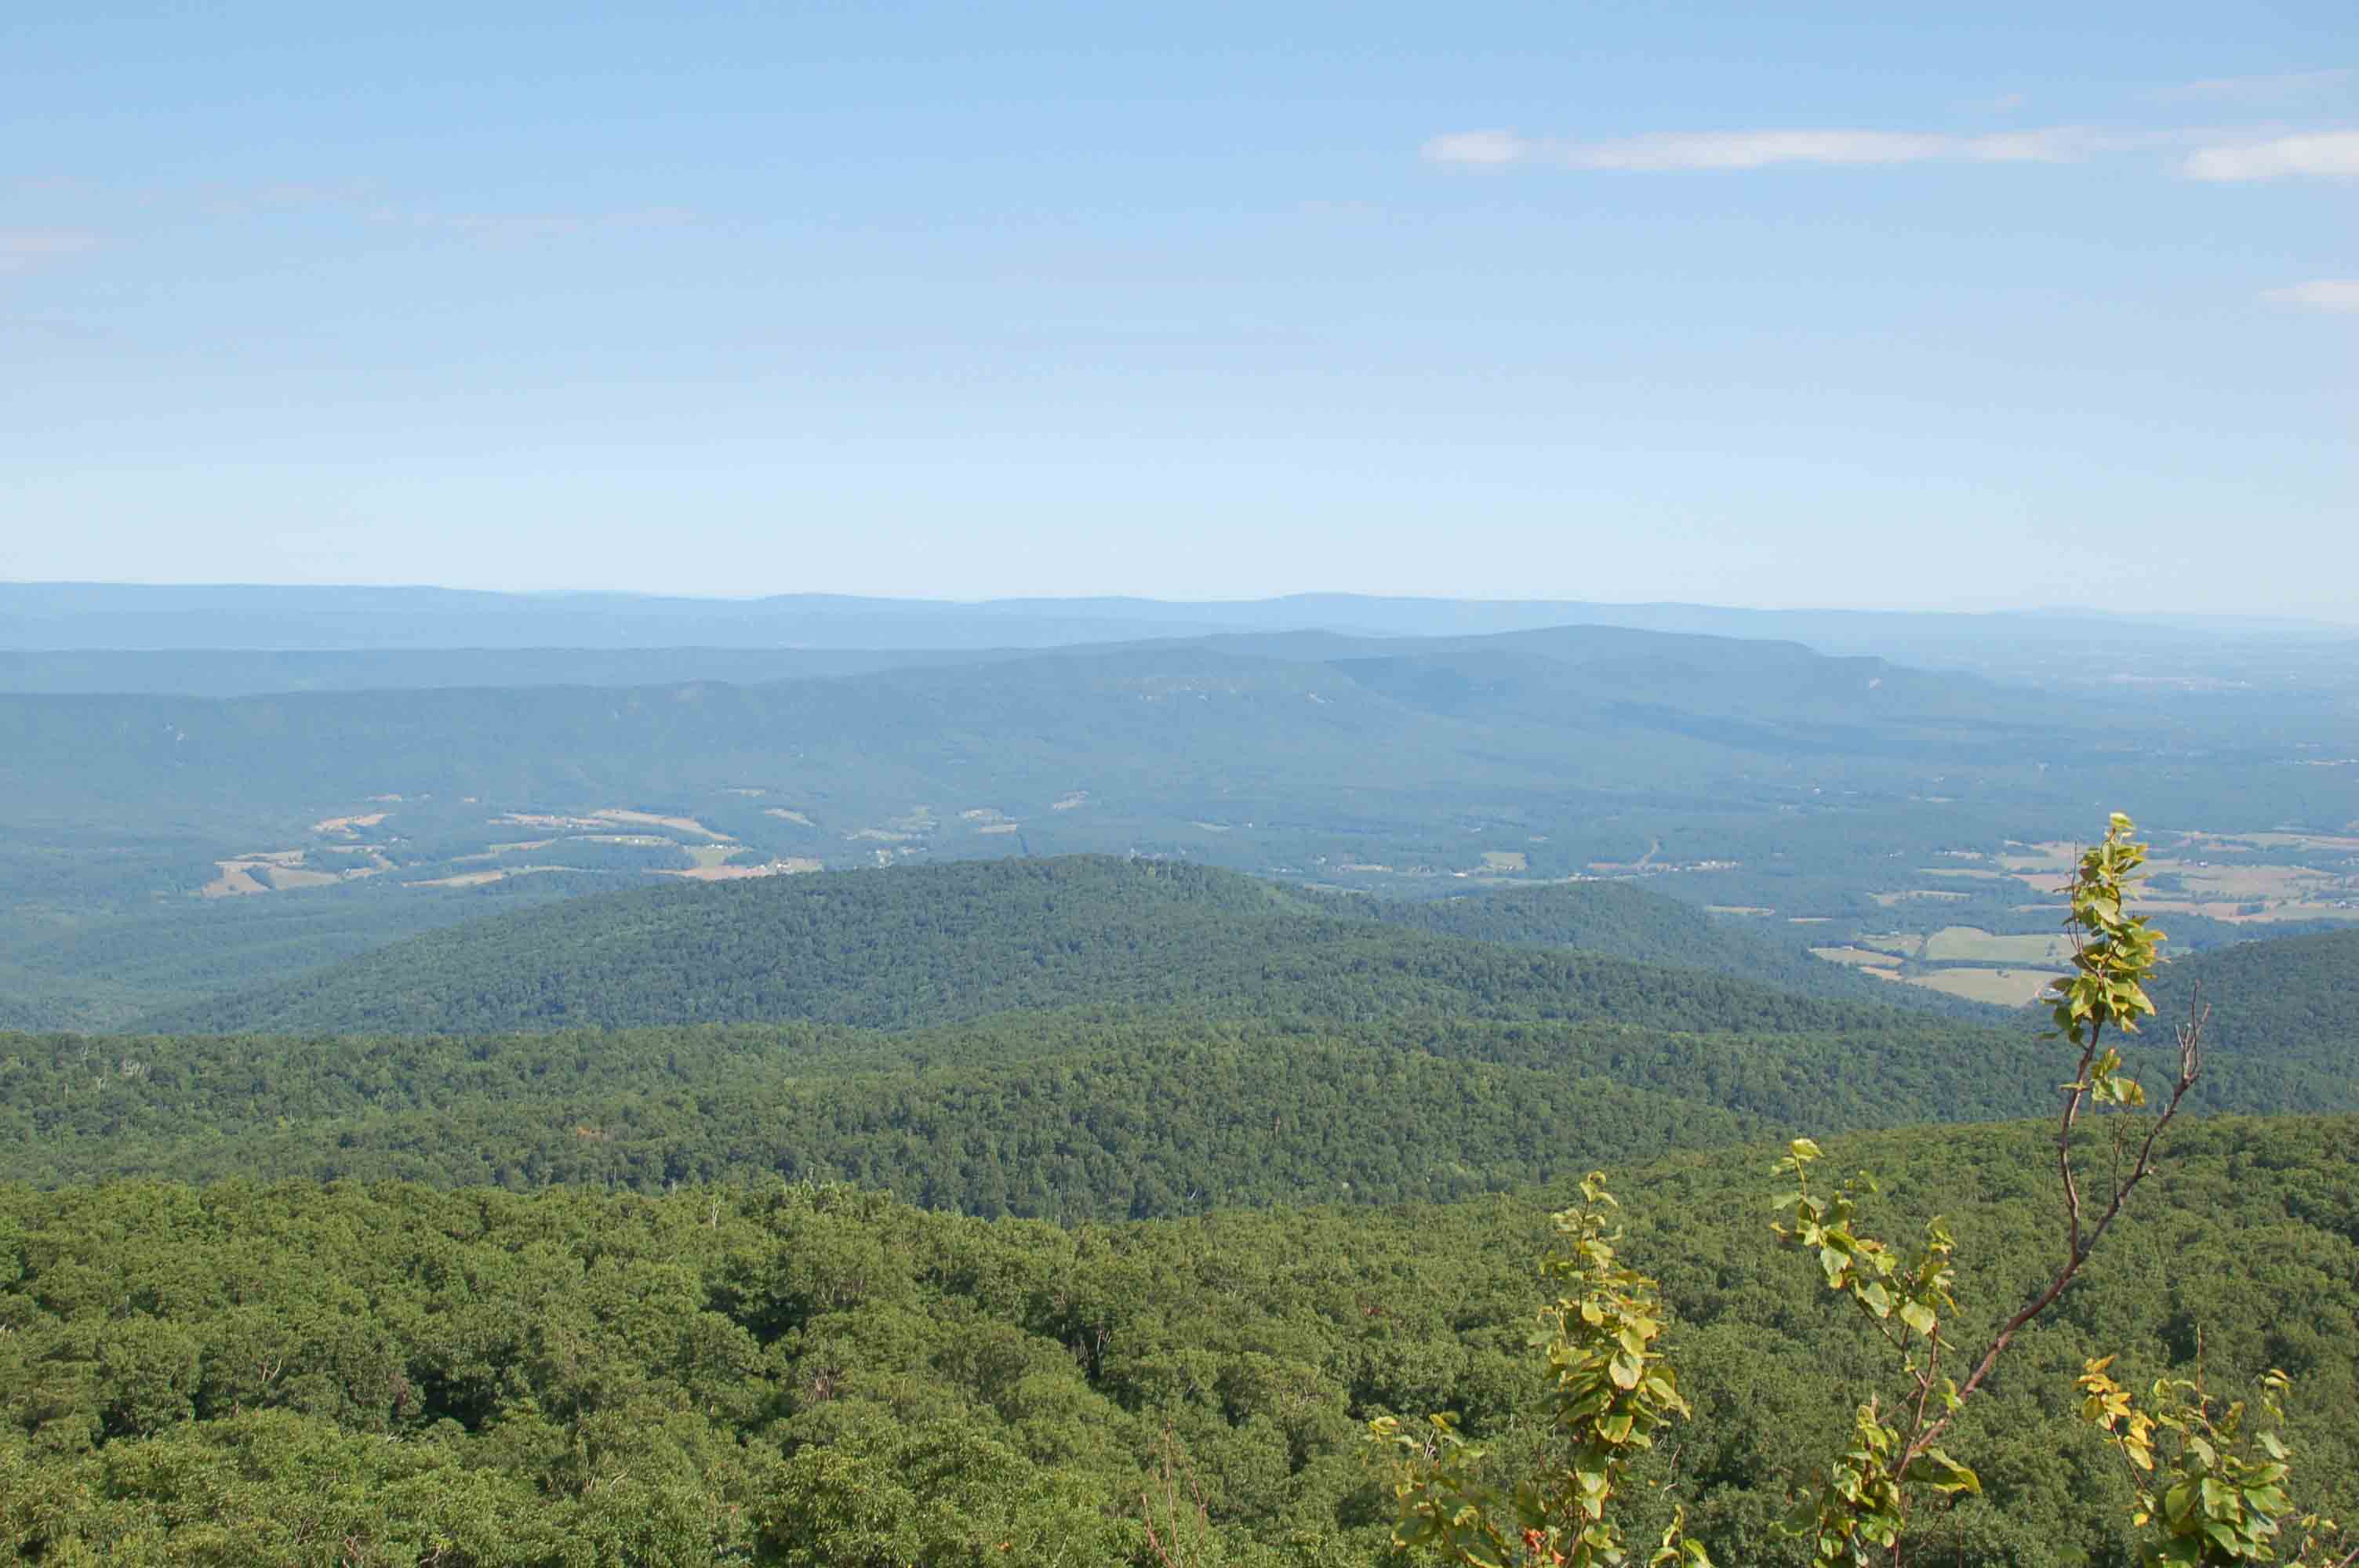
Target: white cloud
{"type": "Point", "coordinates": [1751, 150]}
{"type": "Point", "coordinates": [21, 250]}
{"type": "Point", "coordinates": [510, 227]}
{"type": "Point", "coordinates": [2284, 87]}
{"type": "Point", "coordinates": [2338, 294]}
{"type": "Point", "coordinates": [1765, 149]}
{"type": "Point", "coordinates": [2317, 152]}
{"type": "Point", "coordinates": [1477, 148]}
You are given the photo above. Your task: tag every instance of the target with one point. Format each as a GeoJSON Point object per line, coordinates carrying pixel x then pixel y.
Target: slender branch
{"type": "Point", "coordinates": [1925, 1382]}
{"type": "Point", "coordinates": [2190, 1066]}
{"type": "Point", "coordinates": [2075, 1093]}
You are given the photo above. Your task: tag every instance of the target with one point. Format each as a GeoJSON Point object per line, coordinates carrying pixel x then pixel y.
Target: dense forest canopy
{"type": "Point", "coordinates": [793, 1375]}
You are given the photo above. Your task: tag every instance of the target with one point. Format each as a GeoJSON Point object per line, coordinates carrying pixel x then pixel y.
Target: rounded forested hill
{"type": "Point", "coordinates": [914, 946]}
{"type": "Point", "coordinates": [2293, 999]}
{"type": "Point", "coordinates": [1622, 920]}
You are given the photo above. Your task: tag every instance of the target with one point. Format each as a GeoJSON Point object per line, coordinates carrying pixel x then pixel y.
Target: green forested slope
{"type": "Point", "coordinates": [1095, 1114]}
{"type": "Point", "coordinates": [1622, 920]}
{"type": "Point", "coordinates": [1159, 1124]}
{"type": "Point", "coordinates": [927, 944]}
{"type": "Point", "coordinates": [2276, 997]}
{"type": "Point", "coordinates": [792, 1376]}
{"type": "Point", "coordinates": [1102, 1113]}
{"type": "Point", "coordinates": [106, 970]}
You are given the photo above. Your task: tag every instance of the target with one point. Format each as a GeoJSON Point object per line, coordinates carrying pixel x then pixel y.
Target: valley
{"type": "Point", "coordinates": [1024, 1093]}
{"type": "Point", "coordinates": [1093, 786]}
{"type": "Point", "coordinates": [1840, 800]}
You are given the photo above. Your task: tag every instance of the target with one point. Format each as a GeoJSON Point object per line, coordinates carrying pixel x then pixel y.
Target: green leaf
{"type": "Point", "coordinates": [1936, 1469]}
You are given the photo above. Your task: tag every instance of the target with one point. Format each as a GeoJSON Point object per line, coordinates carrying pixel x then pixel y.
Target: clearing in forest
{"type": "Point", "coordinates": [649, 819]}
{"type": "Point", "coordinates": [2005, 988]}
{"type": "Point", "coordinates": [1971, 945]}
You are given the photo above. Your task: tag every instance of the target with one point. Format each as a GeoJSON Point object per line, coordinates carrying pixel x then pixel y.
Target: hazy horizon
{"type": "Point", "coordinates": [1838, 307]}
{"type": "Point", "coordinates": [1240, 598]}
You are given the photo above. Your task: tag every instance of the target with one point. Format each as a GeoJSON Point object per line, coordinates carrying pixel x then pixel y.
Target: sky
{"type": "Point", "coordinates": [1926, 306]}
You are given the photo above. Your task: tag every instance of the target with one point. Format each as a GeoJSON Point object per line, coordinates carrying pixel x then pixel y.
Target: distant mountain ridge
{"type": "Point", "coordinates": [95, 616]}
{"type": "Point", "coordinates": [1303, 714]}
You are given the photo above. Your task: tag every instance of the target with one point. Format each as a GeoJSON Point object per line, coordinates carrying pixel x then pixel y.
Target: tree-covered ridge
{"type": "Point", "coordinates": [1622, 920]}
{"type": "Point", "coordinates": [815, 1376]}
{"type": "Point", "coordinates": [1093, 1112]}
{"type": "Point", "coordinates": [1155, 1126]}
{"type": "Point", "coordinates": [933, 944]}
{"type": "Point", "coordinates": [1088, 1114]}
{"type": "Point", "coordinates": [2271, 996]}
{"type": "Point", "coordinates": [1147, 716]}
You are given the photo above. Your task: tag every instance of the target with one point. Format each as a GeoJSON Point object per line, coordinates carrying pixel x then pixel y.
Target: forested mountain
{"type": "Point", "coordinates": [933, 944]}
{"type": "Point", "coordinates": [1222, 712]}
{"type": "Point", "coordinates": [1280, 717]}
{"type": "Point", "coordinates": [797, 1376]}
{"type": "Point", "coordinates": [2270, 997]}
{"type": "Point", "coordinates": [108, 971]}
{"type": "Point", "coordinates": [235, 672]}
{"type": "Point", "coordinates": [1742, 774]}
{"type": "Point", "coordinates": [1622, 920]}
{"type": "Point", "coordinates": [1206, 1038]}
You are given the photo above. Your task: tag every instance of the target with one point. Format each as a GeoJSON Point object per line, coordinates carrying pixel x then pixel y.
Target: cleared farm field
{"type": "Point", "coordinates": [1860, 958]}
{"type": "Point", "coordinates": [1973, 944]}
{"type": "Point", "coordinates": [2007, 988]}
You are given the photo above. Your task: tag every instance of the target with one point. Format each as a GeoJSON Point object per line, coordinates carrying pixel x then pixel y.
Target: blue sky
{"type": "Point", "coordinates": [1827, 305]}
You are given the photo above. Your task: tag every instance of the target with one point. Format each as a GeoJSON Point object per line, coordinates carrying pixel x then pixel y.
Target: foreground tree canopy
{"type": "Point", "coordinates": [395, 1374]}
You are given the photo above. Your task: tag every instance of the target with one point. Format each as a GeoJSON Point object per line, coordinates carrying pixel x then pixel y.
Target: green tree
{"type": "Point", "coordinates": [1600, 1341]}
{"type": "Point", "coordinates": [1610, 1391]}
{"type": "Point", "coordinates": [2209, 1478]}
{"type": "Point", "coordinates": [1862, 1506]}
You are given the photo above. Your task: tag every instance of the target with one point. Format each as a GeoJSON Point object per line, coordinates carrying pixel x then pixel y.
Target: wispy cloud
{"type": "Point", "coordinates": [1766, 149]}
{"type": "Point", "coordinates": [514, 227]}
{"type": "Point", "coordinates": [2337, 294]}
{"type": "Point", "coordinates": [223, 201]}
{"type": "Point", "coordinates": [2281, 88]}
{"type": "Point", "coordinates": [2277, 158]}
{"type": "Point", "coordinates": [21, 250]}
